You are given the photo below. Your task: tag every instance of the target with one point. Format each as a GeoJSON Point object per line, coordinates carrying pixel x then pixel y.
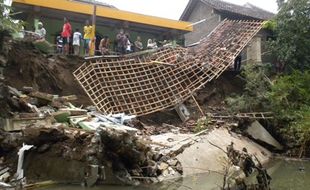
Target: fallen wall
{"type": "Point", "coordinates": [148, 83]}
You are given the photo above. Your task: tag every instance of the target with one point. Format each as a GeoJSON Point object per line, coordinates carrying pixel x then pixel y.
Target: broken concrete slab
{"type": "Point", "coordinates": [258, 132]}
{"type": "Point", "coordinates": [17, 124]}
{"type": "Point", "coordinates": [209, 157]}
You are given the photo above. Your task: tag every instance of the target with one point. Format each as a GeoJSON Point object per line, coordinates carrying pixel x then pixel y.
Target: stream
{"type": "Point", "coordinates": [286, 175]}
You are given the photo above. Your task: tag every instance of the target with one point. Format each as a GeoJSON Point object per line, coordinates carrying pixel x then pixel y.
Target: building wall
{"type": "Point", "coordinates": [251, 53]}
{"type": "Point", "coordinates": [201, 11]}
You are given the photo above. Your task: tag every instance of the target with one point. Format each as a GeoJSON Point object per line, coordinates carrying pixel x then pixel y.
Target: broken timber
{"type": "Point", "coordinates": [254, 115]}
{"type": "Point", "coordinates": [134, 86]}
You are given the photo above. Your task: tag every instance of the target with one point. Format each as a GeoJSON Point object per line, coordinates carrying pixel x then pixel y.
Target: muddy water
{"type": "Point", "coordinates": [287, 175]}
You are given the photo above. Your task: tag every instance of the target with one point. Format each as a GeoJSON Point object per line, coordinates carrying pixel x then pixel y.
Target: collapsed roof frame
{"type": "Point", "coordinates": [141, 85]}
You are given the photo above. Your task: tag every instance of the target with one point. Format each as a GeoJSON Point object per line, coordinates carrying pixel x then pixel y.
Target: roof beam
{"type": "Point", "coordinates": [84, 8]}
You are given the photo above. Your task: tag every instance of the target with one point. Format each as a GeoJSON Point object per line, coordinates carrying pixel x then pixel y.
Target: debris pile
{"type": "Point", "coordinates": [56, 128]}
{"type": "Point", "coordinates": [249, 164]}
{"type": "Point", "coordinates": [102, 144]}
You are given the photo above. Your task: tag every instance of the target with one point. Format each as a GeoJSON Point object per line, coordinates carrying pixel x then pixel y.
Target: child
{"type": "Point", "coordinates": [77, 36]}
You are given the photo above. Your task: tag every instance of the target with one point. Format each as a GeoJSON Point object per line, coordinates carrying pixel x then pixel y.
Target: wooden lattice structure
{"type": "Point", "coordinates": [154, 81]}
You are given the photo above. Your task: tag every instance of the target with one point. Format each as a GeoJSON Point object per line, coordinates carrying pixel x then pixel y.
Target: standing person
{"type": "Point", "coordinates": [88, 29]}
{"type": "Point", "coordinates": [121, 40]}
{"type": "Point", "coordinates": [128, 44]}
{"type": "Point", "coordinates": [138, 44]}
{"type": "Point", "coordinates": [237, 63]}
{"type": "Point", "coordinates": [41, 31]}
{"type": "Point", "coordinates": [77, 36]}
{"type": "Point", "coordinates": [151, 44]}
{"type": "Point", "coordinates": [59, 44]}
{"type": "Point", "coordinates": [66, 34]}
{"type": "Point", "coordinates": [154, 43]}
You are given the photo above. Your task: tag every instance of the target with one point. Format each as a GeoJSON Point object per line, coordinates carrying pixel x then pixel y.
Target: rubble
{"type": "Point", "coordinates": [94, 139]}
{"type": "Point", "coordinates": [46, 109]}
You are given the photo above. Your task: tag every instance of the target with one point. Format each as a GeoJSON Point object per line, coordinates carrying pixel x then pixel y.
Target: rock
{"type": "Point", "coordinates": [163, 166]}
{"type": "Point", "coordinates": [5, 177]}
{"type": "Point", "coordinates": [43, 148]}
{"type": "Point", "coordinates": [172, 162]}
{"type": "Point", "coordinates": [27, 89]}
{"type": "Point", "coordinates": [165, 173]}
{"type": "Point", "coordinates": [179, 168]}
{"type": "Point", "coordinates": [156, 156]}
{"type": "Point", "coordinates": [3, 61]}
{"type": "Point", "coordinates": [171, 171]}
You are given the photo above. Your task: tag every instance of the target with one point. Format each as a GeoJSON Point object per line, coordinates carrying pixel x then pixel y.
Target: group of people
{"type": "Point", "coordinates": [69, 40]}
{"type": "Point", "coordinates": [64, 40]}
{"type": "Point", "coordinates": [124, 44]}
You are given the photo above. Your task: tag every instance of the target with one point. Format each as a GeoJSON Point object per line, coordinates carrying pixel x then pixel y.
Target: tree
{"type": "Point", "coordinates": [7, 24]}
{"type": "Point", "coordinates": [292, 35]}
{"type": "Point", "coordinates": [290, 101]}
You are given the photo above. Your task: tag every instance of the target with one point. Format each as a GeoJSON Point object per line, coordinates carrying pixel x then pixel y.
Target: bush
{"type": "Point", "coordinates": [290, 101]}
{"type": "Point", "coordinates": [254, 96]}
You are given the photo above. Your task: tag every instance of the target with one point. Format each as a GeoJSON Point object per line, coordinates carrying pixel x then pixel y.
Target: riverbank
{"type": "Point", "coordinates": [285, 174]}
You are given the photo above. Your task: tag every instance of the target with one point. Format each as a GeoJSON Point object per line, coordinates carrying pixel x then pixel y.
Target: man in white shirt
{"type": "Point", "coordinates": [41, 31]}
{"type": "Point", "coordinates": [77, 37]}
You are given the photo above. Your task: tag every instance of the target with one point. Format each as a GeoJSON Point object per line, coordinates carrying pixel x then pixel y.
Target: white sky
{"type": "Point", "coordinates": [173, 8]}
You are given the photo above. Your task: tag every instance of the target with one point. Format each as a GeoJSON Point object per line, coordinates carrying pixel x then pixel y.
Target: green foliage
{"type": "Point", "coordinates": [292, 35]}
{"type": "Point", "coordinates": [290, 100]}
{"type": "Point", "coordinates": [254, 97]}
{"type": "Point", "coordinates": [44, 46]}
{"type": "Point", "coordinates": [202, 124]}
{"type": "Point", "coordinates": [6, 22]}
{"type": "Point", "coordinates": [289, 94]}
{"type": "Point", "coordinates": [270, 25]}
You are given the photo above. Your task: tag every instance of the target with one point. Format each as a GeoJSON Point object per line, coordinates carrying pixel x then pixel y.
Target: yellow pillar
{"type": "Point", "coordinates": [92, 45]}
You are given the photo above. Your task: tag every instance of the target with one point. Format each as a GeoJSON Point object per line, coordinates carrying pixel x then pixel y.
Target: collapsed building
{"type": "Point", "coordinates": [101, 148]}
{"type": "Point", "coordinates": [148, 83]}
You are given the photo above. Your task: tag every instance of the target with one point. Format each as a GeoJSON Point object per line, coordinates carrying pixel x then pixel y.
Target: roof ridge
{"type": "Point", "coordinates": [253, 11]}
{"type": "Point", "coordinates": [256, 7]}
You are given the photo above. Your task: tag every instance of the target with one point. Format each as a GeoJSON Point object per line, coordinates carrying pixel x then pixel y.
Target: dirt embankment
{"type": "Point", "coordinates": [27, 66]}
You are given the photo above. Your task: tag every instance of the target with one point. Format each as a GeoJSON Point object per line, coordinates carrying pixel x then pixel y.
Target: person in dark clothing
{"type": "Point", "coordinates": [237, 64]}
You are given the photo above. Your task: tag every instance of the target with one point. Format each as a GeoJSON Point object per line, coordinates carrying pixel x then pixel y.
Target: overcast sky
{"type": "Point", "coordinates": [173, 8]}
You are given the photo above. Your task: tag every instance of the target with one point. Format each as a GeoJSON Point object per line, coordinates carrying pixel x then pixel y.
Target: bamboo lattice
{"type": "Point", "coordinates": [148, 83]}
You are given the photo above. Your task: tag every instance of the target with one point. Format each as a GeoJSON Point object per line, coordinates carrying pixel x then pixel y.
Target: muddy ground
{"type": "Point", "coordinates": [52, 74]}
